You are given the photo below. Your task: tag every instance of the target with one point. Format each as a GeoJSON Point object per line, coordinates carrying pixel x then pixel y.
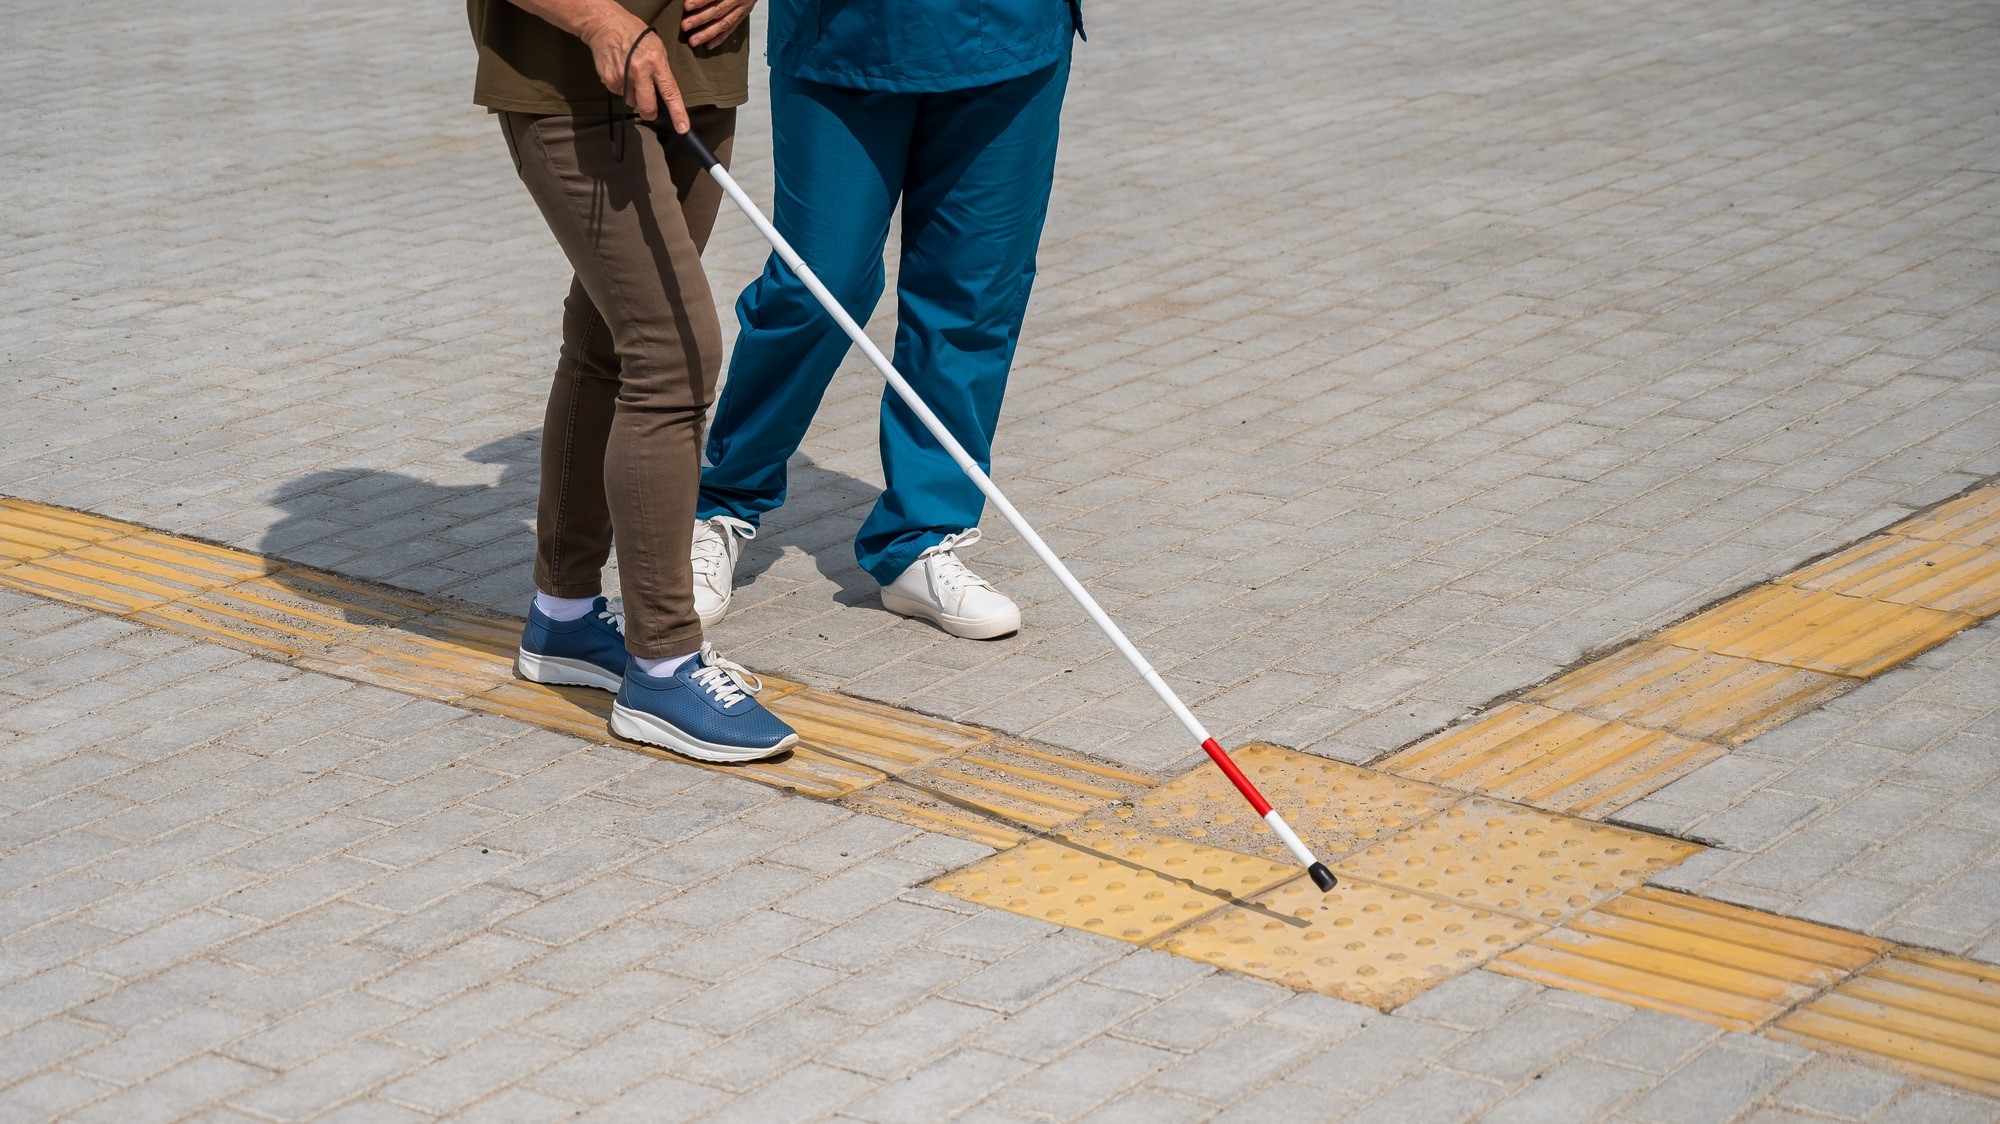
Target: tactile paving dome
{"type": "Point", "coordinates": [1333, 806]}
{"type": "Point", "coordinates": [1130, 885]}
{"type": "Point", "coordinates": [1361, 942]}
{"type": "Point", "coordinates": [1516, 860]}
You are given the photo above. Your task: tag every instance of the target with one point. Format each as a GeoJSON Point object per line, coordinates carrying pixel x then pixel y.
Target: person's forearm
{"type": "Point", "coordinates": [585, 19]}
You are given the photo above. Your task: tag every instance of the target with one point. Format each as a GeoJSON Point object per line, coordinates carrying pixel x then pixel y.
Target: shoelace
{"type": "Point", "coordinates": [711, 543]}
{"type": "Point", "coordinates": [616, 618]}
{"type": "Point", "coordinates": [945, 567]}
{"type": "Point", "coordinates": [728, 681]}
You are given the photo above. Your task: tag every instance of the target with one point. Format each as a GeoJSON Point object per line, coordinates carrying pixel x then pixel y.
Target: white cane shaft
{"type": "Point", "coordinates": [964, 460]}
{"type": "Point", "coordinates": [1291, 838]}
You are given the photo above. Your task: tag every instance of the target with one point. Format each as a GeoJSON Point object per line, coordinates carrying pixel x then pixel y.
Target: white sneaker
{"type": "Point", "coordinates": [718, 542]}
{"type": "Point", "coordinates": [938, 588]}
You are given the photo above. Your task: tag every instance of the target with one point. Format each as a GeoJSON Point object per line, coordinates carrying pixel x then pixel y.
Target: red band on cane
{"type": "Point", "coordinates": [1237, 778]}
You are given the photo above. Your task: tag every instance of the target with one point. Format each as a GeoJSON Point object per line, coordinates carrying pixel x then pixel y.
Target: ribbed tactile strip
{"type": "Point", "coordinates": [1935, 1015]}
{"type": "Point", "coordinates": [1555, 759]}
{"type": "Point", "coordinates": [1818, 630]}
{"type": "Point", "coordinates": [1944, 575]}
{"type": "Point", "coordinates": [1610, 732]}
{"type": "Point", "coordinates": [1733, 967]}
{"type": "Point", "coordinates": [31, 530]}
{"type": "Point", "coordinates": [1697, 695]}
{"type": "Point", "coordinates": [1000, 792]}
{"type": "Point", "coordinates": [1972, 519]}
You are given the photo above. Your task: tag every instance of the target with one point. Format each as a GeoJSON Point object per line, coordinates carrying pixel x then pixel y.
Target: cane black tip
{"type": "Point", "coordinates": [1321, 876]}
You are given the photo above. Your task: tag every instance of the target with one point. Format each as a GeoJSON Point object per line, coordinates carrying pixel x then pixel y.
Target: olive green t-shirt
{"type": "Point", "coordinates": [528, 65]}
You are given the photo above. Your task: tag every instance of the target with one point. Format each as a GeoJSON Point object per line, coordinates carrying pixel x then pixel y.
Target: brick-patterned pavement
{"type": "Point", "coordinates": [1384, 359]}
{"type": "Point", "coordinates": [237, 891]}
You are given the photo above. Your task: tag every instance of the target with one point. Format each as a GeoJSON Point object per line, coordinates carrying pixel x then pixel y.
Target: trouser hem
{"type": "Point", "coordinates": [678, 642]}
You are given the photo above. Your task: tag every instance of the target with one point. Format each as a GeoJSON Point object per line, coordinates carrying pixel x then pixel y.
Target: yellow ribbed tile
{"type": "Point", "coordinates": [1554, 759]}
{"type": "Point", "coordinates": [1972, 519]}
{"type": "Point", "coordinates": [583, 712]}
{"type": "Point", "coordinates": [133, 572]}
{"type": "Point", "coordinates": [933, 811]}
{"type": "Point", "coordinates": [1018, 787]}
{"type": "Point", "coordinates": [1515, 860]}
{"type": "Point", "coordinates": [1333, 806]}
{"type": "Point", "coordinates": [870, 734]}
{"type": "Point", "coordinates": [1733, 967]}
{"type": "Point", "coordinates": [1934, 1015]}
{"type": "Point", "coordinates": [1943, 575]}
{"type": "Point", "coordinates": [1818, 629]}
{"type": "Point", "coordinates": [1360, 942]}
{"type": "Point", "coordinates": [1132, 885]}
{"type": "Point", "coordinates": [284, 614]}
{"type": "Point", "coordinates": [33, 530]}
{"type": "Point", "coordinates": [1695, 694]}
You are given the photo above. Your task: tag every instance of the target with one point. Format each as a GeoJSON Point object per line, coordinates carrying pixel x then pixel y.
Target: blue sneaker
{"type": "Point", "coordinates": [706, 709]}
{"type": "Point", "coordinates": [586, 652]}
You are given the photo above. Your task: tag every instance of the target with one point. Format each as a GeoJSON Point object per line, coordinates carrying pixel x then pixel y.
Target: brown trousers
{"type": "Point", "coordinates": [641, 353]}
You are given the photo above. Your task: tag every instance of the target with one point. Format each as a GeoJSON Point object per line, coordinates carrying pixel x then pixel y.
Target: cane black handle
{"type": "Point", "coordinates": [700, 150]}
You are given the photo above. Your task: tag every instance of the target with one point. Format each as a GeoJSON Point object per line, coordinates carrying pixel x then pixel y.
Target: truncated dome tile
{"type": "Point", "coordinates": [1333, 806]}
{"type": "Point", "coordinates": [1360, 942]}
{"type": "Point", "coordinates": [1131, 886]}
{"type": "Point", "coordinates": [1517, 860]}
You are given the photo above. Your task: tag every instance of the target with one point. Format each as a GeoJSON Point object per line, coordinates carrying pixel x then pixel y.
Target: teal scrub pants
{"type": "Point", "coordinates": [972, 169]}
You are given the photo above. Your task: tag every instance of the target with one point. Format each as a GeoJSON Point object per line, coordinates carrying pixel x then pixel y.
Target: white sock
{"type": "Point", "coordinates": [662, 668]}
{"type": "Point", "coordinates": [563, 608]}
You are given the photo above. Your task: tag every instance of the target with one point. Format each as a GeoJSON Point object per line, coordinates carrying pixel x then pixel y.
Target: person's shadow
{"type": "Point", "coordinates": [475, 542]}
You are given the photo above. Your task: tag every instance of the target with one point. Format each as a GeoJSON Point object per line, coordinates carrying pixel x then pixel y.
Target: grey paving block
{"type": "Point", "coordinates": [1717, 1084]}
{"type": "Point", "coordinates": [1203, 1012]}
{"type": "Point", "coordinates": [919, 1034]}
{"type": "Point", "coordinates": [1012, 983]}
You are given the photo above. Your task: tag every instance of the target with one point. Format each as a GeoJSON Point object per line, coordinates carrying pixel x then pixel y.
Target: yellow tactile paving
{"type": "Point", "coordinates": [870, 734]}
{"type": "Point", "coordinates": [932, 810]}
{"type": "Point", "coordinates": [1333, 806]}
{"type": "Point", "coordinates": [1433, 881]}
{"type": "Point", "coordinates": [1945, 575]}
{"type": "Point", "coordinates": [1737, 968]}
{"type": "Point", "coordinates": [1131, 885]}
{"type": "Point", "coordinates": [1935, 1015]}
{"type": "Point", "coordinates": [1818, 630]}
{"type": "Point", "coordinates": [1362, 942]}
{"type": "Point", "coordinates": [32, 530]}
{"type": "Point", "coordinates": [1013, 788]}
{"type": "Point", "coordinates": [1973, 519]}
{"type": "Point", "coordinates": [1695, 694]}
{"type": "Point", "coordinates": [1531, 864]}
{"type": "Point", "coordinates": [1554, 759]}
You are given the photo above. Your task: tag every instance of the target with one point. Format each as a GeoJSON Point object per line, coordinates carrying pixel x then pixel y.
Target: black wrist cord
{"type": "Point", "coordinates": [610, 115]}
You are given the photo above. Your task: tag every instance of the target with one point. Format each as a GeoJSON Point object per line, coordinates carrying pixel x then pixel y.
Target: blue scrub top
{"type": "Point", "coordinates": [918, 46]}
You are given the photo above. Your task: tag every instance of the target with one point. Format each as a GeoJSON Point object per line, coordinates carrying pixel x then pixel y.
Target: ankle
{"type": "Point", "coordinates": [564, 608]}
{"type": "Point", "coordinates": [661, 668]}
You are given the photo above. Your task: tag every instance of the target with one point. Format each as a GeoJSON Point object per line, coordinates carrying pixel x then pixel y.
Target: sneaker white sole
{"type": "Point", "coordinates": [967, 628]}
{"type": "Point", "coordinates": [638, 726]}
{"type": "Point", "coordinates": [714, 617]}
{"type": "Point", "coordinates": [564, 672]}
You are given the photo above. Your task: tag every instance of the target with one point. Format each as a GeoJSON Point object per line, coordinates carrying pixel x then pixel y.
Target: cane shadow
{"type": "Point", "coordinates": [475, 542]}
